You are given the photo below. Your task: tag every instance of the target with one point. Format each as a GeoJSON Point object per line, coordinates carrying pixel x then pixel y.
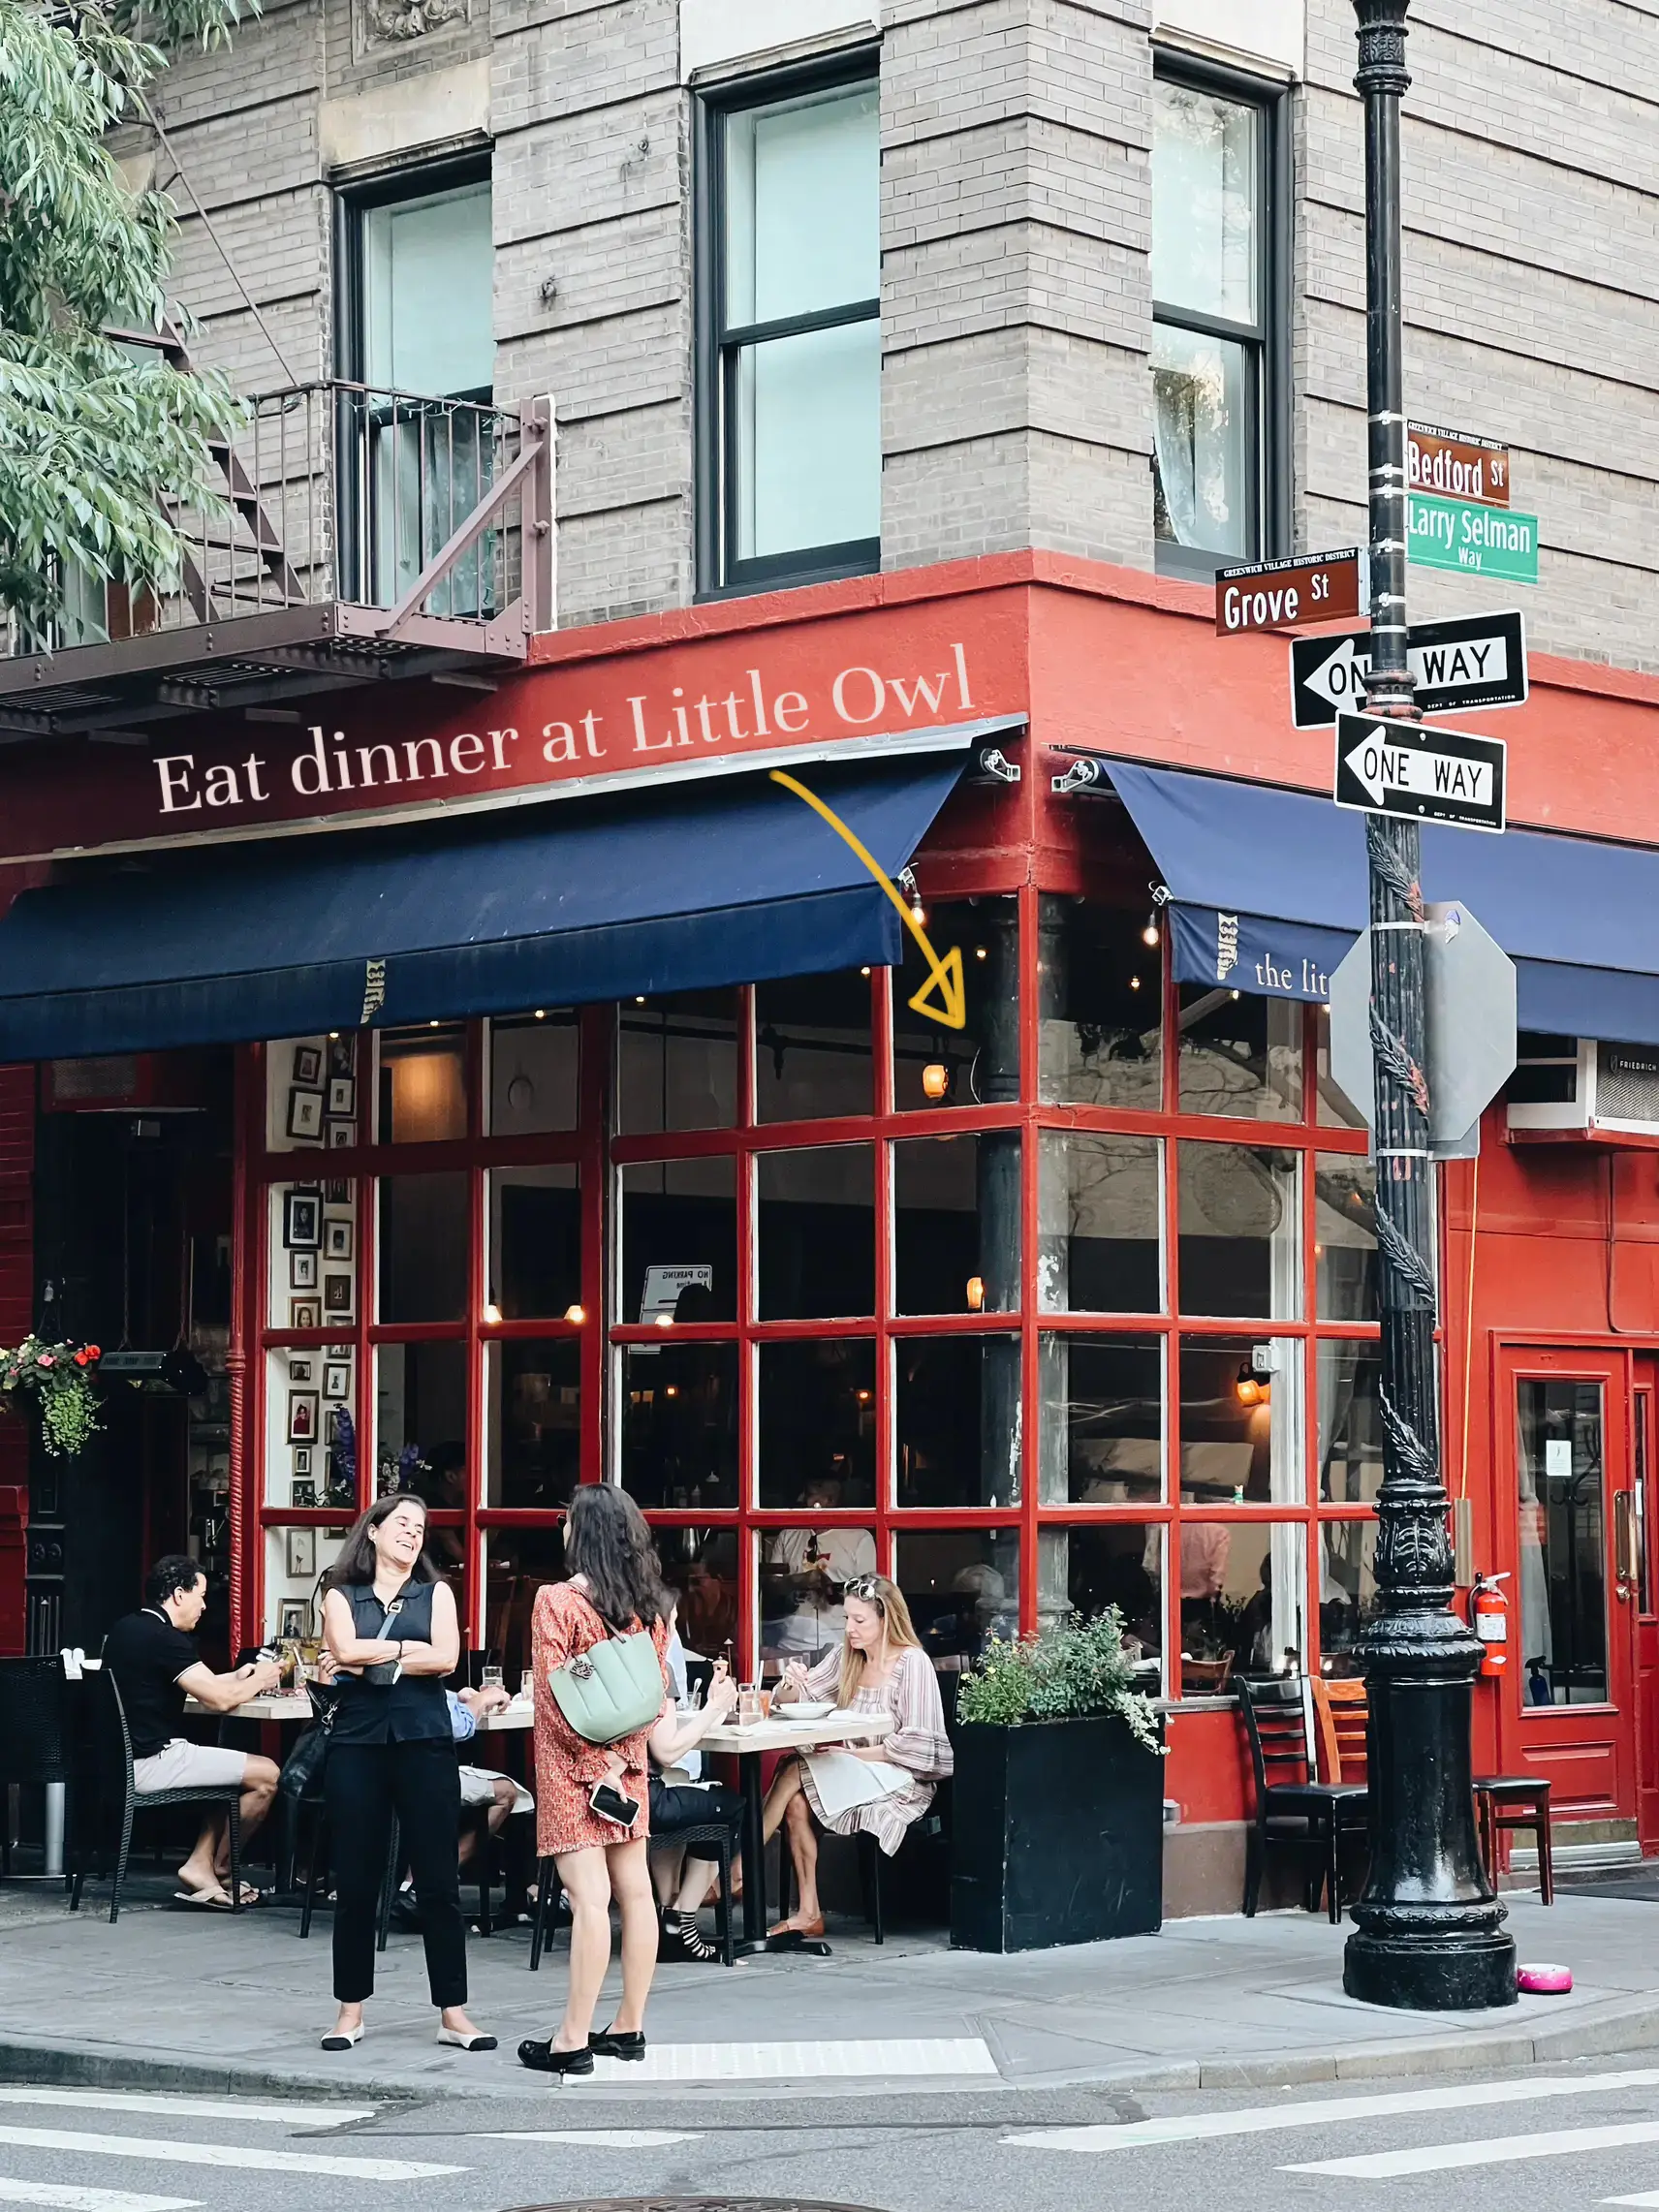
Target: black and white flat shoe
{"type": "Point", "coordinates": [343, 2039]}
{"type": "Point", "coordinates": [541, 2058]}
{"type": "Point", "coordinates": [463, 2041]}
{"type": "Point", "coordinates": [608, 2043]}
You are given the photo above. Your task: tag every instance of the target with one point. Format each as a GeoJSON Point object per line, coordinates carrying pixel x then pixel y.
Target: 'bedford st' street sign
{"type": "Point", "coordinates": [1450, 464]}
{"type": "Point", "coordinates": [1405, 767]}
{"type": "Point", "coordinates": [1471, 662]}
{"type": "Point", "coordinates": [1287, 595]}
{"type": "Point", "coordinates": [1483, 541]}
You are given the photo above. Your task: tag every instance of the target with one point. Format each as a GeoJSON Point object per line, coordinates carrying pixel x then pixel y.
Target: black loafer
{"type": "Point", "coordinates": [608, 2043]}
{"type": "Point", "coordinates": [541, 2058]}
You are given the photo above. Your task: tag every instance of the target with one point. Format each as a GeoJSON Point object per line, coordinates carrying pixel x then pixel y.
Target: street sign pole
{"type": "Point", "coordinates": [1429, 1931]}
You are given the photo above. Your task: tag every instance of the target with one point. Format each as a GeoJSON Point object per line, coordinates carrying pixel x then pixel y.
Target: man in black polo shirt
{"type": "Point", "coordinates": [153, 1658]}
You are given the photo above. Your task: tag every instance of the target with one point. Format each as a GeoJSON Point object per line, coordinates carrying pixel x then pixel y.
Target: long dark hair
{"type": "Point", "coordinates": [357, 1561]}
{"type": "Point", "coordinates": [607, 1543]}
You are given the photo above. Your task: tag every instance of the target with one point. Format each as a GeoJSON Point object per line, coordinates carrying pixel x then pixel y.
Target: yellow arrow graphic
{"type": "Point", "coordinates": [950, 1008]}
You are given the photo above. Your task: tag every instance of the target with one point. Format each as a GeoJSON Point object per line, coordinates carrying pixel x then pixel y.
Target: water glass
{"type": "Point", "coordinates": [748, 1705]}
{"type": "Point", "coordinates": [491, 1678]}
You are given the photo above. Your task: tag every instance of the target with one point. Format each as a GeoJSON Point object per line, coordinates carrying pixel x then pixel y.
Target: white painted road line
{"type": "Point", "coordinates": [66, 2199]}
{"type": "Point", "coordinates": [1442, 2157]}
{"type": "Point", "coordinates": [224, 2154]}
{"type": "Point", "coordinates": [318, 2115]}
{"type": "Point", "coordinates": [912, 2056]}
{"type": "Point", "coordinates": [1330, 2111]}
{"type": "Point", "coordinates": [1648, 2200]}
{"type": "Point", "coordinates": [599, 2139]}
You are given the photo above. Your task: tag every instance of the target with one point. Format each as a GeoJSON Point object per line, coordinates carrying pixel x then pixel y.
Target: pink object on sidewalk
{"type": "Point", "coordinates": [1543, 1981]}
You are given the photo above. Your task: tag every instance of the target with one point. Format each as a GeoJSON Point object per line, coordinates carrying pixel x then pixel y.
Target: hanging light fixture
{"type": "Point", "coordinates": [1150, 934]}
{"type": "Point", "coordinates": [976, 1294]}
{"type": "Point", "coordinates": [935, 1080]}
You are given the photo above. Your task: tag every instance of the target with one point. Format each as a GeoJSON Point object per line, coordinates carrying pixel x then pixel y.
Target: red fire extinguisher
{"type": "Point", "coordinates": [1488, 1617]}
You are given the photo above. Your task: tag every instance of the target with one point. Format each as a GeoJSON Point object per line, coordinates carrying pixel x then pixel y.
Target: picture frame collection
{"type": "Point", "coordinates": [313, 1276]}
{"type": "Point", "coordinates": [322, 1104]}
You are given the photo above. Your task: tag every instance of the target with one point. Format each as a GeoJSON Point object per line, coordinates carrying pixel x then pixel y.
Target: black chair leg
{"type": "Point", "coordinates": [319, 1830]}
{"type": "Point", "coordinates": [483, 1846]}
{"type": "Point", "coordinates": [869, 1852]}
{"type": "Point", "coordinates": [389, 1884]}
{"type": "Point", "coordinates": [1253, 1855]}
{"type": "Point", "coordinates": [233, 1823]}
{"type": "Point", "coordinates": [723, 1910]}
{"type": "Point", "coordinates": [1334, 1872]}
{"type": "Point", "coordinates": [545, 1876]}
{"type": "Point", "coordinates": [125, 1848]}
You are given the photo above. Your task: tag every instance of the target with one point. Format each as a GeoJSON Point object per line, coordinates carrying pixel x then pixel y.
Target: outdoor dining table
{"type": "Point", "coordinates": [751, 1741]}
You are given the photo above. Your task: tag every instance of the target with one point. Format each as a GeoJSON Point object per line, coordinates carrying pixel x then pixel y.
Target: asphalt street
{"type": "Point", "coordinates": [1563, 2139]}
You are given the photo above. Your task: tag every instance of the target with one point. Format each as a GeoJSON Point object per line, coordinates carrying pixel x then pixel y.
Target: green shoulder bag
{"type": "Point", "coordinates": [612, 1690]}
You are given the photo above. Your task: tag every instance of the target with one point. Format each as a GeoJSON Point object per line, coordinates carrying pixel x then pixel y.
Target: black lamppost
{"type": "Point", "coordinates": [1429, 1932]}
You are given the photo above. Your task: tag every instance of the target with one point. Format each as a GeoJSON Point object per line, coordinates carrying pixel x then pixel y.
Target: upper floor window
{"type": "Point", "coordinates": [425, 311]}
{"type": "Point", "coordinates": [1214, 294]}
{"type": "Point", "coordinates": [792, 367]}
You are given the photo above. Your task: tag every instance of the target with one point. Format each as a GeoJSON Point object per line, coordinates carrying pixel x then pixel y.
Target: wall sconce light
{"type": "Point", "coordinates": [976, 1294]}
{"type": "Point", "coordinates": [1134, 982]}
{"type": "Point", "coordinates": [935, 1080]}
{"type": "Point", "coordinates": [663, 1321]}
{"type": "Point", "coordinates": [492, 1313]}
{"type": "Point", "coordinates": [864, 1397]}
{"type": "Point", "coordinates": [1250, 1389]}
{"type": "Point", "coordinates": [541, 1013]}
{"type": "Point", "coordinates": [1149, 935]}
{"type": "Point", "coordinates": [672, 1392]}
{"type": "Point", "coordinates": [576, 1316]}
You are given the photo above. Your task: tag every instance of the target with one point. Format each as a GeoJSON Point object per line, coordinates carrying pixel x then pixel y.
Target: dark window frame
{"type": "Point", "coordinates": [718, 346]}
{"type": "Point", "coordinates": [1269, 340]}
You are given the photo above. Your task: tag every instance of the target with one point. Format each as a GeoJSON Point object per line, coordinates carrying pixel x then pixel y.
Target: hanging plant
{"type": "Point", "coordinates": [60, 1376]}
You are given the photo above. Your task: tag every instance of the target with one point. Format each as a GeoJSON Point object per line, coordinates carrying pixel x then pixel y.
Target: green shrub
{"type": "Point", "coordinates": [1066, 1671]}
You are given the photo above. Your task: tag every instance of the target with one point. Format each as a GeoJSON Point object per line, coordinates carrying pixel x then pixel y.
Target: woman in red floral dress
{"type": "Point", "coordinates": [614, 1587]}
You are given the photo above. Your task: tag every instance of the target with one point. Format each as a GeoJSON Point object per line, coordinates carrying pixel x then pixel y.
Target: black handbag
{"type": "Point", "coordinates": [303, 1769]}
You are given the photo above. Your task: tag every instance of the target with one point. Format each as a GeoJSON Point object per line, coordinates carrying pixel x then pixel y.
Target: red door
{"type": "Point", "coordinates": [1639, 1533]}
{"type": "Point", "coordinates": [1570, 1711]}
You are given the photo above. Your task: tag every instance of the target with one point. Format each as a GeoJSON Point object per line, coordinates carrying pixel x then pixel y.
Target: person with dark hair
{"type": "Point", "coordinates": [392, 1633]}
{"type": "Point", "coordinates": [614, 1589]}
{"type": "Point", "coordinates": [152, 1658]}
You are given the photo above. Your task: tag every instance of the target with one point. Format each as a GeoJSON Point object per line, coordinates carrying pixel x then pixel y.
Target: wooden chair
{"type": "Point", "coordinates": [1292, 1806]}
{"type": "Point", "coordinates": [1342, 1722]}
{"type": "Point", "coordinates": [1514, 1801]}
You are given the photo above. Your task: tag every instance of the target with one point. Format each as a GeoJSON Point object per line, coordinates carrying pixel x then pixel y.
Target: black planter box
{"type": "Point", "coordinates": [1057, 1835]}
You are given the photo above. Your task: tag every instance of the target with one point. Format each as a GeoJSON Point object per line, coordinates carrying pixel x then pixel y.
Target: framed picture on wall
{"type": "Point", "coordinates": [300, 1549]}
{"type": "Point", "coordinates": [302, 1416]}
{"type": "Point", "coordinates": [305, 1114]}
{"type": "Point", "coordinates": [301, 1371]}
{"type": "Point", "coordinates": [303, 1271]}
{"type": "Point", "coordinates": [342, 1055]}
{"type": "Point", "coordinates": [336, 1379]}
{"type": "Point", "coordinates": [341, 1134]}
{"type": "Point", "coordinates": [302, 1219]}
{"type": "Point", "coordinates": [303, 1459]}
{"type": "Point", "coordinates": [338, 1193]}
{"type": "Point", "coordinates": [304, 1313]}
{"type": "Point", "coordinates": [343, 1094]}
{"type": "Point", "coordinates": [292, 1615]}
{"type": "Point", "coordinates": [302, 1493]}
{"type": "Point", "coordinates": [338, 1238]}
{"type": "Point", "coordinates": [336, 1293]}
{"type": "Point", "coordinates": [308, 1065]}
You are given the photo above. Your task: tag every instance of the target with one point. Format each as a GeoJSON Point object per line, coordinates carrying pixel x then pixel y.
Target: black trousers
{"type": "Point", "coordinates": [364, 1784]}
{"type": "Point", "coordinates": [676, 1805]}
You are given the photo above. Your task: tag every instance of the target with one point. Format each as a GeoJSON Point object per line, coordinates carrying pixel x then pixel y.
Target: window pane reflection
{"type": "Point", "coordinates": [1241, 1232]}
{"type": "Point", "coordinates": [804, 1571]}
{"type": "Point", "coordinates": [818, 1423]}
{"type": "Point", "coordinates": [532, 1420]}
{"type": "Point", "coordinates": [1240, 1421]}
{"type": "Point", "coordinates": [1336, 1109]}
{"type": "Point", "coordinates": [982, 1059]}
{"type": "Point", "coordinates": [533, 1069]}
{"type": "Point", "coordinates": [517, 1563]}
{"type": "Point", "coordinates": [1350, 1421]}
{"type": "Point", "coordinates": [535, 1243]}
{"type": "Point", "coordinates": [1118, 1563]}
{"type": "Point", "coordinates": [955, 1220]}
{"type": "Point", "coordinates": [962, 1588]}
{"type": "Point", "coordinates": [1347, 1591]}
{"type": "Point", "coordinates": [817, 1231]}
{"type": "Point", "coordinates": [680, 1424]}
{"type": "Point", "coordinates": [812, 1047]}
{"type": "Point", "coordinates": [956, 1415]}
{"type": "Point", "coordinates": [420, 1422]}
{"type": "Point", "coordinates": [1100, 1207]}
{"type": "Point", "coordinates": [699, 1566]}
{"type": "Point", "coordinates": [678, 1062]}
{"type": "Point", "coordinates": [1345, 1236]}
{"type": "Point", "coordinates": [1100, 1001]}
{"type": "Point", "coordinates": [679, 1241]}
{"type": "Point", "coordinates": [1241, 1054]}
{"type": "Point", "coordinates": [1563, 1543]}
{"type": "Point", "coordinates": [1200, 441]}
{"type": "Point", "coordinates": [422, 1084]}
{"type": "Point", "coordinates": [1244, 1607]}
{"type": "Point", "coordinates": [423, 1248]}
{"type": "Point", "coordinates": [1102, 1418]}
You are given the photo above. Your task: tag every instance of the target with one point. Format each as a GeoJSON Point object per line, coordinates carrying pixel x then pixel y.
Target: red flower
{"type": "Point", "coordinates": [80, 1359]}
{"type": "Point", "coordinates": [93, 1352]}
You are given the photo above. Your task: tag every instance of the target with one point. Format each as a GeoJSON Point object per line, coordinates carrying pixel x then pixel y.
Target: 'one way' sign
{"type": "Point", "coordinates": [1471, 661]}
{"type": "Point", "coordinates": [1405, 767]}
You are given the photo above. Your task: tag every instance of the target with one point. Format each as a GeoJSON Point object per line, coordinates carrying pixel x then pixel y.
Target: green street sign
{"type": "Point", "coordinates": [1485, 540]}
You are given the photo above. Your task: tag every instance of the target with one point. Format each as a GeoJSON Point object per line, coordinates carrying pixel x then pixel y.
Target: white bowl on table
{"type": "Point", "coordinates": [805, 1709]}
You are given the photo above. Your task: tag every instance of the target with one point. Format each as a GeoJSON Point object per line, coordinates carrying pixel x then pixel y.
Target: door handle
{"type": "Point", "coordinates": [1625, 1563]}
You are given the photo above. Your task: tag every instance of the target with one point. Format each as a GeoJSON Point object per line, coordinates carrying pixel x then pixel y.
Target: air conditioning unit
{"type": "Point", "coordinates": [1576, 1084]}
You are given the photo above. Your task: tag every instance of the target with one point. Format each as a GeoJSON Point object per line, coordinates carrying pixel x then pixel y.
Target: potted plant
{"type": "Point", "coordinates": [59, 1377]}
{"type": "Point", "coordinates": [1057, 1824]}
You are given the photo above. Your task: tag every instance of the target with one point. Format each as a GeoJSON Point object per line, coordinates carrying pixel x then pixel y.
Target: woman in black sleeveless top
{"type": "Point", "coordinates": [392, 1629]}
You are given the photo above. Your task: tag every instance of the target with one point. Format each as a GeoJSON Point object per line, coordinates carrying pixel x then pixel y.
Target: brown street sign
{"type": "Point", "coordinates": [1287, 595]}
{"type": "Point", "coordinates": [1449, 464]}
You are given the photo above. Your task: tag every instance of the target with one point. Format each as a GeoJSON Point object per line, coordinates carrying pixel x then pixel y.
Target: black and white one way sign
{"type": "Point", "coordinates": [1404, 767]}
{"type": "Point", "coordinates": [1473, 661]}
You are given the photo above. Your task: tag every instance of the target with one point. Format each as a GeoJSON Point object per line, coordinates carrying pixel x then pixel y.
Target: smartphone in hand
{"type": "Point", "coordinates": [609, 1802]}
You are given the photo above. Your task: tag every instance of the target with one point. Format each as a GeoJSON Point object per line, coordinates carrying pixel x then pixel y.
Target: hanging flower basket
{"type": "Point", "coordinates": [59, 1376]}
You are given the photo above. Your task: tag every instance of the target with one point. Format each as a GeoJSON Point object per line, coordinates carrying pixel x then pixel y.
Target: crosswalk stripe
{"type": "Point", "coordinates": [1314, 2112]}
{"type": "Point", "coordinates": [258, 2159]}
{"type": "Point", "coordinates": [1648, 2198]}
{"type": "Point", "coordinates": [880, 2060]}
{"type": "Point", "coordinates": [600, 2138]}
{"type": "Point", "coordinates": [318, 2115]}
{"type": "Point", "coordinates": [1441, 2158]}
{"type": "Point", "coordinates": [54, 2193]}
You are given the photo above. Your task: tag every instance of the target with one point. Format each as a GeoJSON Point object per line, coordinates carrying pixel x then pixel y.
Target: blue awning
{"type": "Point", "coordinates": [725, 882]}
{"type": "Point", "coordinates": [1267, 890]}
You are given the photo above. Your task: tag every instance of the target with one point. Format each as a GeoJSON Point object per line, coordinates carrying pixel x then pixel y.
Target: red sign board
{"type": "Point", "coordinates": [1448, 464]}
{"type": "Point", "coordinates": [1287, 595]}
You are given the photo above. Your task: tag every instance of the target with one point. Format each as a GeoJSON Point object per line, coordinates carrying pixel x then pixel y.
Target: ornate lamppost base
{"type": "Point", "coordinates": [1421, 1972]}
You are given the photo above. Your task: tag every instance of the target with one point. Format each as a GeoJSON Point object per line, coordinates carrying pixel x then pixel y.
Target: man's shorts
{"type": "Point", "coordinates": [184, 1765]}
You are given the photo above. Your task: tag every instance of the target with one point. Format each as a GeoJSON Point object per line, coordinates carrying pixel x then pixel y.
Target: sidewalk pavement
{"type": "Point", "coordinates": [182, 1997]}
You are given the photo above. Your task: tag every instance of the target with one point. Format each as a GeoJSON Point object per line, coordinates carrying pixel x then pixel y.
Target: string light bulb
{"type": "Point", "coordinates": [1149, 935]}
{"type": "Point", "coordinates": [576, 1316]}
{"type": "Point", "coordinates": [976, 1294]}
{"type": "Point", "coordinates": [935, 1080]}
{"type": "Point", "coordinates": [492, 1313]}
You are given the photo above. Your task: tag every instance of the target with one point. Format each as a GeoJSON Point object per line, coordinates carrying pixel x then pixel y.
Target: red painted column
{"type": "Point", "coordinates": [16, 1309]}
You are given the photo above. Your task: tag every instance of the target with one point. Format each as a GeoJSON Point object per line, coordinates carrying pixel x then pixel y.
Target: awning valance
{"type": "Point", "coordinates": [1267, 891]}
{"type": "Point", "coordinates": [729, 882]}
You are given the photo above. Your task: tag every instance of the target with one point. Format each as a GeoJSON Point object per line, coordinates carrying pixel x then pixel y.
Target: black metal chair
{"type": "Point", "coordinates": [1291, 1805]}
{"type": "Point", "coordinates": [112, 1786]}
{"type": "Point", "coordinates": [36, 1749]}
{"type": "Point", "coordinates": [714, 1840]}
{"type": "Point", "coordinates": [316, 1866]}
